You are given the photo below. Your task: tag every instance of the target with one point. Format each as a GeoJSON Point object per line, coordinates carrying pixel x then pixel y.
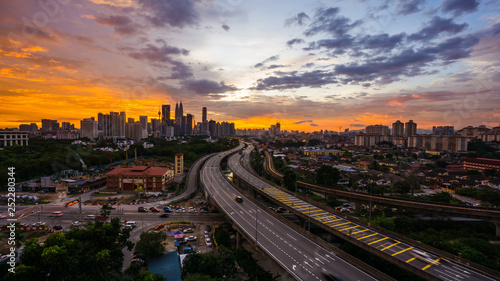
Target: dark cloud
{"type": "Point", "coordinates": [313, 125]}
{"type": "Point", "coordinates": [175, 13]}
{"type": "Point", "coordinates": [458, 7]}
{"type": "Point", "coordinates": [454, 48]}
{"type": "Point", "coordinates": [293, 80]}
{"type": "Point", "coordinates": [310, 64]}
{"type": "Point", "coordinates": [225, 27]}
{"type": "Point", "coordinates": [261, 64]}
{"type": "Point", "coordinates": [207, 87]}
{"type": "Point", "coordinates": [327, 20]}
{"type": "Point", "coordinates": [154, 53]}
{"type": "Point", "coordinates": [381, 42]}
{"type": "Point", "coordinates": [304, 121]}
{"type": "Point", "coordinates": [357, 125]}
{"type": "Point", "coordinates": [294, 41]}
{"type": "Point", "coordinates": [122, 24]}
{"type": "Point", "coordinates": [273, 66]}
{"type": "Point", "coordinates": [437, 26]}
{"type": "Point", "coordinates": [407, 7]}
{"type": "Point", "coordinates": [299, 19]}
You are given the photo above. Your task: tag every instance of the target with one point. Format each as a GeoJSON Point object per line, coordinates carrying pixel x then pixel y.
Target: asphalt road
{"type": "Point", "coordinates": [301, 257]}
{"type": "Point", "coordinates": [429, 262]}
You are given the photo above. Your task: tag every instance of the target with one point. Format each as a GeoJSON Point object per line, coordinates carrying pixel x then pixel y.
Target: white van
{"type": "Point", "coordinates": [130, 224]}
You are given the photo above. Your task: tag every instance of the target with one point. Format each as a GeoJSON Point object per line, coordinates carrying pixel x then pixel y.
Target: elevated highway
{"type": "Point", "coordinates": [486, 214]}
{"type": "Point", "coordinates": [424, 261]}
{"type": "Point", "coordinates": [296, 253]}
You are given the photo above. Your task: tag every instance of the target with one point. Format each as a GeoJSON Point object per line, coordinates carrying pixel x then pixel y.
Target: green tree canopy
{"type": "Point", "coordinates": [327, 175]}
{"type": "Point", "coordinates": [151, 244]}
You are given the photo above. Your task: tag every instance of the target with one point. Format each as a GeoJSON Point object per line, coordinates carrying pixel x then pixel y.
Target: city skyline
{"type": "Point", "coordinates": [309, 65]}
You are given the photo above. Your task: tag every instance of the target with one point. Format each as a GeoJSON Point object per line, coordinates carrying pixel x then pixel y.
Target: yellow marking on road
{"type": "Point", "coordinates": [378, 240]}
{"type": "Point", "coordinates": [390, 246]}
{"type": "Point", "coordinates": [335, 225]}
{"type": "Point", "coordinates": [301, 209]}
{"type": "Point", "coordinates": [331, 221]}
{"type": "Point", "coordinates": [319, 214]}
{"type": "Point", "coordinates": [401, 251]}
{"type": "Point", "coordinates": [431, 264]}
{"type": "Point", "coordinates": [349, 228]}
{"type": "Point", "coordinates": [360, 231]}
{"type": "Point", "coordinates": [412, 259]}
{"type": "Point", "coordinates": [370, 235]}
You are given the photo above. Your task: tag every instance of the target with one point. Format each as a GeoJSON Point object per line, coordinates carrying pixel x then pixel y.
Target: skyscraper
{"type": "Point", "coordinates": [189, 124]}
{"type": "Point", "coordinates": [165, 111]}
{"type": "Point", "coordinates": [398, 128]}
{"type": "Point", "coordinates": [204, 115]}
{"type": "Point", "coordinates": [410, 128]}
{"type": "Point", "coordinates": [114, 125]}
{"type": "Point", "coordinates": [100, 121]}
{"type": "Point", "coordinates": [88, 128]}
{"type": "Point", "coordinates": [144, 122]}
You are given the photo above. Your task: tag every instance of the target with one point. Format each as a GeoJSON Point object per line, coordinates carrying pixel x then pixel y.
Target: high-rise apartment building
{"type": "Point", "coordinates": [377, 130]}
{"type": "Point", "coordinates": [189, 124]}
{"type": "Point", "coordinates": [89, 128]}
{"type": "Point", "coordinates": [100, 121]}
{"type": "Point", "coordinates": [443, 130]}
{"type": "Point", "coordinates": [114, 125]}
{"type": "Point", "coordinates": [410, 128]}
{"type": "Point", "coordinates": [204, 115]}
{"type": "Point", "coordinates": [398, 129]}
{"type": "Point", "coordinates": [49, 125]}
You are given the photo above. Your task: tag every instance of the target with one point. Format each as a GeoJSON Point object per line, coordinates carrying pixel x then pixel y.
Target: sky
{"type": "Point", "coordinates": [310, 65]}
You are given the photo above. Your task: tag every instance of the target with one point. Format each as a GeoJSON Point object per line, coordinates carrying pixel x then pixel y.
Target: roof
{"type": "Point", "coordinates": [167, 265]}
{"type": "Point", "coordinates": [138, 171]}
{"type": "Point", "coordinates": [179, 154]}
{"type": "Point", "coordinates": [483, 161]}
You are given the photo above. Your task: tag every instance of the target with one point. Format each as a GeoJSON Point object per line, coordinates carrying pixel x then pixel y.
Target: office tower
{"type": "Point", "coordinates": [398, 129]}
{"type": "Point", "coordinates": [443, 130]}
{"type": "Point", "coordinates": [189, 124]}
{"type": "Point", "coordinates": [204, 115]}
{"type": "Point", "coordinates": [88, 128]}
{"type": "Point", "coordinates": [278, 128]}
{"type": "Point", "coordinates": [100, 121]}
{"type": "Point", "coordinates": [65, 125]}
{"type": "Point", "coordinates": [165, 111]}
{"type": "Point", "coordinates": [377, 130]}
{"type": "Point", "coordinates": [49, 125]}
{"type": "Point", "coordinates": [144, 122]}
{"type": "Point", "coordinates": [155, 124]}
{"type": "Point", "coordinates": [410, 128]}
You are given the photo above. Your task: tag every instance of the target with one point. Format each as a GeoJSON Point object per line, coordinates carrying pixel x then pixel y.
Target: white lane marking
{"type": "Point", "coordinates": [291, 237]}
{"type": "Point", "coordinates": [269, 222]}
{"type": "Point", "coordinates": [319, 260]}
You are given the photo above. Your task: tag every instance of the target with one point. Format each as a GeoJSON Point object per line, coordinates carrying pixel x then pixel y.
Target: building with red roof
{"type": "Point", "coordinates": [127, 179]}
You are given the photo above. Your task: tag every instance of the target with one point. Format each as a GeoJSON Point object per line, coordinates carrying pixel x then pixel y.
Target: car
{"type": "Point", "coordinates": [164, 215]}
{"type": "Point", "coordinates": [4, 258]}
{"type": "Point", "coordinates": [188, 230]}
{"type": "Point", "coordinates": [76, 223]}
{"type": "Point", "coordinates": [208, 242]}
{"type": "Point", "coordinates": [238, 199]}
{"type": "Point", "coordinates": [58, 227]}
{"type": "Point", "coordinates": [3, 216]}
{"type": "Point", "coordinates": [203, 210]}
{"type": "Point", "coordinates": [154, 210]}
{"type": "Point", "coordinates": [423, 256]}
{"type": "Point", "coordinates": [208, 227]}
{"type": "Point", "coordinates": [158, 227]}
{"type": "Point", "coordinates": [189, 250]}
{"type": "Point", "coordinates": [345, 210]}
{"type": "Point", "coordinates": [112, 207]}
{"type": "Point", "coordinates": [56, 214]}
{"type": "Point", "coordinates": [38, 224]}
{"type": "Point", "coordinates": [90, 217]}
{"type": "Point", "coordinates": [142, 210]}
{"type": "Point", "coordinates": [130, 224]}
{"type": "Point", "coordinates": [330, 275]}
{"type": "Point", "coordinates": [191, 238]}
{"type": "Point", "coordinates": [206, 234]}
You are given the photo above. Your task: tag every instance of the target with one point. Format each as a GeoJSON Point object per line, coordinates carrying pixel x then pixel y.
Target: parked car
{"type": "Point", "coordinates": [142, 210]}
{"type": "Point", "coordinates": [158, 227]}
{"type": "Point", "coordinates": [90, 217]}
{"type": "Point", "coordinates": [208, 242]}
{"type": "Point", "coordinates": [76, 223]}
{"type": "Point", "coordinates": [191, 238]}
{"type": "Point", "coordinates": [208, 228]}
{"type": "Point", "coordinates": [154, 210]}
{"type": "Point", "coordinates": [188, 230]}
{"type": "Point", "coordinates": [58, 227]}
{"type": "Point", "coordinates": [206, 234]}
{"type": "Point", "coordinates": [130, 224]}
{"type": "Point", "coordinates": [189, 250]}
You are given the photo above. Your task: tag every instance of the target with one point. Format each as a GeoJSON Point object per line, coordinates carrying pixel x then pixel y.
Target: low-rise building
{"type": "Point", "coordinates": [128, 179]}
{"type": "Point", "coordinates": [9, 138]}
{"type": "Point", "coordinates": [481, 164]}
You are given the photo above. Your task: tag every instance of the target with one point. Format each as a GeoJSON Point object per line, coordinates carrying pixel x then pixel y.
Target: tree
{"type": "Point", "coordinates": [332, 201]}
{"type": "Point", "coordinates": [327, 175]}
{"type": "Point", "coordinates": [290, 179]}
{"type": "Point", "coordinates": [473, 172]}
{"type": "Point", "coordinates": [219, 264]}
{"type": "Point", "coordinates": [151, 244]}
{"type": "Point", "coordinates": [401, 187]}
{"type": "Point", "coordinates": [93, 253]}
{"type": "Point", "coordinates": [136, 273]}
{"type": "Point", "coordinates": [313, 142]}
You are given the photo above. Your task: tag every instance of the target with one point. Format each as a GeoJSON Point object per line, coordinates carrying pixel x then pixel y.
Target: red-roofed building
{"type": "Point", "coordinates": [151, 179]}
{"type": "Point", "coordinates": [481, 164]}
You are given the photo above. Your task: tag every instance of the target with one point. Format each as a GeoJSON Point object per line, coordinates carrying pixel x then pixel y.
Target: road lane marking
{"type": "Point", "coordinates": [435, 262]}
{"type": "Point", "coordinates": [359, 231]}
{"type": "Point", "coordinates": [370, 235]}
{"type": "Point", "coordinates": [390, 246]}
{"type": "Point", "coordinates": [412, 259]}
{"type": "Point", "coordinates": [378, 240]}
{"type": "Point", "coordinates": [401, 251]}
{"type": "Point", "coordinates": [344, 223]}
{"type": "Point", "coordinates": [349, 228]}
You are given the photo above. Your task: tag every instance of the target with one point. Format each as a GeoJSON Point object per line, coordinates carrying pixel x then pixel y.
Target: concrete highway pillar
{"type": "Point", "coordinates": [497, 228]}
